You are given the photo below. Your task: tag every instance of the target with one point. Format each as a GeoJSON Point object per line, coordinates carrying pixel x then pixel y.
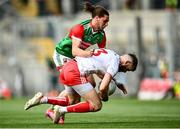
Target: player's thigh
{"type": "Point", "coordinates": [93, 98]}
{"type": "Point", "coordinates": [63, 94]}
{"type": "Point", "coordinates": [88, 93]}
{"type": "Point", "coordinates": [71, 94]}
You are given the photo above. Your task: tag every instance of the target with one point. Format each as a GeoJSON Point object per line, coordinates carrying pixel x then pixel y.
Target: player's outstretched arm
{"type": "Point", "coordinates": [120, 86]}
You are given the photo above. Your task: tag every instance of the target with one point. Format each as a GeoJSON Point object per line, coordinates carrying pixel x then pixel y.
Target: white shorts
{"type": "Point", "coordinates": [80, 89]}
{"type": "Point", "coordinates": [59, 59]}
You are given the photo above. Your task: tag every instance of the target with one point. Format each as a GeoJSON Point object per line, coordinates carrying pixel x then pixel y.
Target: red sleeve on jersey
{"type": "Point", "coordinates": [103, 43]}
{"type": "Point", "coordinates": [77, 31]}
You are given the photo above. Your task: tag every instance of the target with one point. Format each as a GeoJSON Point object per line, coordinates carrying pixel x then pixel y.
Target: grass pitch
{"type": "Point", "coordinates": [116, 113]}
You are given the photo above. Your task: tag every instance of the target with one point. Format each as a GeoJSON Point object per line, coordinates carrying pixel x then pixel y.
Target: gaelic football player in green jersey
{"type": "Point", "coordinates": [80, 37]}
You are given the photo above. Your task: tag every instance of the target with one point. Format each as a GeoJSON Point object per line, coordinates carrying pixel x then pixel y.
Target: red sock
{"type": "Point", "coordinates": [80, 107]}
{"type": "Point", "coordinates": [62, 101]}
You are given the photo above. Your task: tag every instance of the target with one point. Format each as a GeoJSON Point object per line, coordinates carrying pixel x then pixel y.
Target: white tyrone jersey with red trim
{"type": "Point", "coordinates": [104, 60]}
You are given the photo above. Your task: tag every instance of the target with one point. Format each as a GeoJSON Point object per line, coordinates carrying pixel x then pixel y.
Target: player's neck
{"type": "Point", "coordinates": [94, 25]}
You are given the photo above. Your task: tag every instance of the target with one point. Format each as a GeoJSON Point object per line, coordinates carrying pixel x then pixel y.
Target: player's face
{"type": "Point", "coordinates": [122, 69]}
{"type": "Point", "coordinates": [103, 22]}
{"type": "Point", "coordinates": [126, 67]}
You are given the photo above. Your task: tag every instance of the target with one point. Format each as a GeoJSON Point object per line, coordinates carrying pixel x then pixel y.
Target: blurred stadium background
{"type": "Point", "coordinates": [29, 30]}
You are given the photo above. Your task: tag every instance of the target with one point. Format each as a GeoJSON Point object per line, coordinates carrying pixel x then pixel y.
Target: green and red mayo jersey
{"type": "Point", "coordinates": [84, 33]}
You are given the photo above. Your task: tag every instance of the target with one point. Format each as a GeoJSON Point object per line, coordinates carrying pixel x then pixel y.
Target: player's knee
{"type": "Point", "coordinates": [97, 106]}
{"type": "Point", "coordinates": [74, 101]}
{"type": "Point", "coordinates": [63, 94]}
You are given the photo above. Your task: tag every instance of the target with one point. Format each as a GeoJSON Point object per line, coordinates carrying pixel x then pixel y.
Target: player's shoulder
{"type": "Point", "coordinates": [85, 22]}
{"type": "Point", "coordinates": [112, 53]}
{"type": "Point", "coordinates": [77, 26]}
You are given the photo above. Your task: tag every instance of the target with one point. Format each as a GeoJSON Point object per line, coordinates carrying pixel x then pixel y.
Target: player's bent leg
{"type": "Point", "coordinates": [63, 93]}
{"type": "Point", "coordinates": [93, 102]}
{"type": "Point", "coordinates": [72, 96]}
{"type": "Point", "coordinates": [33, 101]}
{"type": "Point", "coordinates": [50, 111]}
{"type": "Point", "coordinates": [89, 94]}
{"type": "Point", "coordinates": [93, 99]}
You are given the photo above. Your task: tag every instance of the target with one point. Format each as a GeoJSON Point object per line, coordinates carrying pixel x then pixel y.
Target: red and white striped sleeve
{"type": "Point", "coordinates": [77, 32]}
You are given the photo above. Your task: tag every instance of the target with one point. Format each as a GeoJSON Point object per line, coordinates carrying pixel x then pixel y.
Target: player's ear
{"type": "Point", "coordinates": [96, 18]}
{"type": "Point", "coordinates": [128, 62]}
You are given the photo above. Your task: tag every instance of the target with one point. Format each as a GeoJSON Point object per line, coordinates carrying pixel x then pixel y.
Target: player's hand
{"type": "Point", "coordinates": [59, 68]}
{"type": "Point", "coordinates": [122, 87]}
{"type": "Point", "coordinates": [103, 96]}
{"type": "Point", "coordinates": [91, 52]}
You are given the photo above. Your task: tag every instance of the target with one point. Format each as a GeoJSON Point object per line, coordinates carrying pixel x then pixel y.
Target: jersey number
{"type": "Point", "coordinates": [98, 52]}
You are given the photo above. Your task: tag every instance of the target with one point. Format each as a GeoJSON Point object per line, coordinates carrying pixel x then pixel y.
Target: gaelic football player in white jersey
{"type": "Point", "coordinates": [105, 63]}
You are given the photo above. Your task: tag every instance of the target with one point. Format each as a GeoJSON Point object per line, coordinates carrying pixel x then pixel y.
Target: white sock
{"type": "Point", "coordinates": [44, 99]}
{"type": "Point", "coordinates": [63, 109]}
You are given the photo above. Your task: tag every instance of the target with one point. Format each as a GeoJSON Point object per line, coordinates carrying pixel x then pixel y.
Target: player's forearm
{"type": "Point", "coordinates": [115, 81]}
{"type": "Point", "coordinates": [77, 51]}
{"type": "Point", "coordinates": [81, 53]}
{"type": "Point", "coordinates": [105, 82]}
{"type": "Point", "coordinates": [120, 86]}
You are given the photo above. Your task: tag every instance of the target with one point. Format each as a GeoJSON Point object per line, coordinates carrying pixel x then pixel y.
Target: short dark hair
{"type": "Point", "coordinates": [134, 61]}
{"type": "Point", "coordinates": [95, 10]}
